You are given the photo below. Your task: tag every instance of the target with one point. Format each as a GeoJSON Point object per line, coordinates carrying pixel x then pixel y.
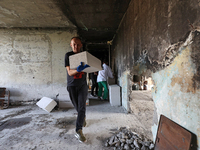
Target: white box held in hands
{"type": "Point", "coordinates": [46, 103]}
{"type": "Point", "coordinates": [86, 58]}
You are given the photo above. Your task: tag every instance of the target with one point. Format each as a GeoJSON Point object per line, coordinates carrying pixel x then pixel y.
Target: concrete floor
{"type": "Point", "coordinates": [31, 128]}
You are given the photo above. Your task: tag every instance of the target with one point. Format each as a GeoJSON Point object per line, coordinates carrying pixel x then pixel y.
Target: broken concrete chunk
{"type": "Point", "coordinates": [126, 137]}
{"type": "Point", "coordinates": [144, 148]}
{"type": "Point", "coordinates": [122, 128]}
{"type": "Point", "coordinates": [135, 136]}
{"type": "Point", "coordinates": [146, 143]}
{"type": "Point", "coordinates": [111, 140]}
{"type": "Point", "coordinates": [119, 135]}
{"type": "Point", "coordinates": [129, 141]}
{"type": "Point", "coordinates": [129, 136]}
{"type": "Point", "coordinates": [126, 147]}
{"type": "Point", "coordinates": [125, 140]}
{"type": "Point", "coordinates": [132, 146]}
{"type": "Point", "coordinates": [115, 138]}
{"type": "Point", "coordinates": [136, 144]}
{"type": "Point", "coordinates": [116, 141]}
{"type": "Point", "coordinates": [117, 144]}
{"type": "Point", "coordinates": [122, 140]}
{"type": "Point", "coordinates": [151, 146]}
{"type": "Point", "coordinates": [106, 144]}
{"type": "Point", "coordinates": [122, 144]}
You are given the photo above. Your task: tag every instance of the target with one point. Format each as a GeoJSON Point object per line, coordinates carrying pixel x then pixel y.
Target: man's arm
{"type": "Point", "coordinates": [80, 68]}
{"type": "Point", "coordinates": [71, 72]}
{"type": "Point", "coordinates": [110, 74]}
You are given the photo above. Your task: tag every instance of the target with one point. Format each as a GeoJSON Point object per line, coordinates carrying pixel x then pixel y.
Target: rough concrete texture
{"type": "Point", "coordinates": [96, 20]}
{"type": "Point", "coordinates": [150, 35]}
{"type": "Point", "coordinates": [33, 13]}
{"type": "Point", "coordinates": [125, 92]}
{"type": "Point", "coordinates": [176, 94]}
{"type": "Point", "coordinates": [151, 38]}
{"type": "Point", "coordinates": [142, 106]}
{"type": "Point", "coordinates": [32, 63]}
{"type": "Point", "coordinates": [30, 127]}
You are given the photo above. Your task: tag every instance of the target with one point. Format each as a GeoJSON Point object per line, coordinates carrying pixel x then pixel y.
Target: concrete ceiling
{"type": "Point", "coordinates": [96, 20]}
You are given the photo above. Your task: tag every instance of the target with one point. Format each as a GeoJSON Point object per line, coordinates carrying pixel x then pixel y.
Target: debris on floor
{"type": "Point", "coordinates": [47, 104]}
{"type": "Point", "coordinates": [125, 139]}
{"type": "Point", "coordinates": [29, 127]}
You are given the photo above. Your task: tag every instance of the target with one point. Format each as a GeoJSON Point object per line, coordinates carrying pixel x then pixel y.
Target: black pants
{"type": "Point", "coordinates": [94, 84]}
{"type": "Point", "coordinates": [78, 96]}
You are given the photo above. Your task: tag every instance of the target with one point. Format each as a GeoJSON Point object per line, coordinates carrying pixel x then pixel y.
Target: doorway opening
{"type": "Point", "coordinates": [100, 51]}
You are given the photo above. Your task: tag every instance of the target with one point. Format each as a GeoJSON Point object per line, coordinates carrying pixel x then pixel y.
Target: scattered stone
{"type": "Point", "coordinates": [146, 143]}
{"type": "Point", "coordinates": [144, 148]}
{"type": "Point", "coordinates": [151, 147]}
{"type": "Point", "coordinates": [119, 135]}
{"type": "Point", "coordinates": [128, 140]}
{"type": "Point", "coordinates": [122, 140]}
{"type": "Point", "coordinates": [126, 137]}
{"type": "Point", "coordinates": [122, 144]}
{"type": "Point", "coordinates": [123, 135]}
{"type": "Point", "coordinates": [117, 144]}
{"type": "Point", "coordinates": [136, 143]}
{"type": "Point", "coordinates": [126, 146]}
{"type": "Point", "coordinates": [135, 136]}
{"type": "Point", "coordinates": [116, 141]}
{"type": "Point", "coordinates": [106, 145]}
{"type": "Point", "coordinates": [111, 140]}
{"type": "Point", "coordinates": [122, 128]}
{"type": "Point", "coordinates": [140, 141]}
{"type": "Point", "coordinates": [132, 146]}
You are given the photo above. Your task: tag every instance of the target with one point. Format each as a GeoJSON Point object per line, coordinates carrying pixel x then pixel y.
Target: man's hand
{"type": "Point", "coordinates": [81, 67]}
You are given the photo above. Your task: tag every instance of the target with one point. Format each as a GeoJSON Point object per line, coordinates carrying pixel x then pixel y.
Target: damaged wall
{"type": "Point", "coordinates": [159, 39]}
{"type": "Point", "coordinates": [176, 93]}
{"type": "Point", "coordinates": [32, 62]}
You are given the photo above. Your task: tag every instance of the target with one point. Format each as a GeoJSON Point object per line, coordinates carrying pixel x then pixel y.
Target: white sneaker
{"type": "Point", "coordinates": [92, 95]}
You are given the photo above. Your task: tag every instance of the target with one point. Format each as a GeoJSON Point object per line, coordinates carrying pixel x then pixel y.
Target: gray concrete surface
{"type": "Point", "coordinates": [30, 127]}
{"type": "Point", "coordinates": [96, 20]}
{"type": "Point", "coordinates": [32, 63]}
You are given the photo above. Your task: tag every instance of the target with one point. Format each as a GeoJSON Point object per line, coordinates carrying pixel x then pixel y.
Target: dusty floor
{"type": "Point", "coordinates": [31, 128]}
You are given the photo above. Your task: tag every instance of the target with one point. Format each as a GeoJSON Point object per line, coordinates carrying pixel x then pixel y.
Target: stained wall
{"type": "Point", "coordinates": [32, 63]}
{"type": "Point", "coordinates": [158, 39]}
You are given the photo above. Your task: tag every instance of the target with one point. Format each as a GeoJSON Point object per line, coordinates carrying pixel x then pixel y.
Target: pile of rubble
{"type": "Point", "coordinates": [124, 139]}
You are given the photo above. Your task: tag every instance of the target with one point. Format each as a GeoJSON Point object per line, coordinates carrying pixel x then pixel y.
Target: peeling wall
{"type": "Point", "coordinates": [125, 90]}
{"type": "Point", "coordinates": [176, 94]}
{"type": "Point", "coordinates": [158, 39]}
{"type": "Point", "coordinates": [32, 63]}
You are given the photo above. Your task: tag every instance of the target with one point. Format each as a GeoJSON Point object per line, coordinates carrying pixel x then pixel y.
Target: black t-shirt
{"type": "Point", "coordinates": [77, 80]}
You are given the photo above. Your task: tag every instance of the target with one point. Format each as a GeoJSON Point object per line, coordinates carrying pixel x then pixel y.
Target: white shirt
{"type": "Point", "coordinates": [104, 74]}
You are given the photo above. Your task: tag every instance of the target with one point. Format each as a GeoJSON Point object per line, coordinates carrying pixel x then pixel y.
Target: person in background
{"type": "Point", "coordinates": [102, 80]}
{"type": "Point", "coordinates": [77, 87]}
{"type": "Point", "coordinates": [93, 76]}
